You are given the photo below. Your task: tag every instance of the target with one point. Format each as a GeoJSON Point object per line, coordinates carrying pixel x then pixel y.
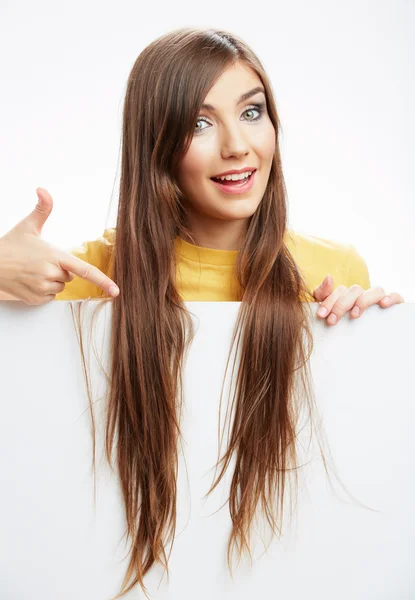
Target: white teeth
{"type": "Point", "coordinates": [235, 176]}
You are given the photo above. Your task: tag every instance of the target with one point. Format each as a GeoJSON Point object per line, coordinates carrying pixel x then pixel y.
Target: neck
{"type": "Point", "coordinates": [217, 234]}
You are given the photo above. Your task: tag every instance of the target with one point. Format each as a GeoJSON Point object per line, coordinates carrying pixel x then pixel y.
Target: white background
{"type": "Point", "coordinates": [343, 77]}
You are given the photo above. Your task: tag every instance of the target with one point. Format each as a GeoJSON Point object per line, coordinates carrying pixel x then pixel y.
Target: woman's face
{"type": "Point", "coordinates": [235, 135]}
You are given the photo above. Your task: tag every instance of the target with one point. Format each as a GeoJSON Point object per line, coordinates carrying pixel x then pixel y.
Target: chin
{"type": "Point", "coordinates": [237, 210]}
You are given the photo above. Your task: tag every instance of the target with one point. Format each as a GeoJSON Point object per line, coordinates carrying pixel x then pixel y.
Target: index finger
{"type": "Point", "coordinates": [88, 272]}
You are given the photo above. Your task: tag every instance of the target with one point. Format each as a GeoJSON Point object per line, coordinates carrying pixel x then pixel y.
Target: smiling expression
{"type": "Point", "coordinates": [232, 132]}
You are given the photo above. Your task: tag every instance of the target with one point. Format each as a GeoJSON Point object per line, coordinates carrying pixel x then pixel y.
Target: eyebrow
{"type": "Point", "coordinates": [244, 97]}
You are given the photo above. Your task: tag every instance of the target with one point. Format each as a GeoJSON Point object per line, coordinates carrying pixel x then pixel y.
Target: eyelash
{"type": "Point", "coordinates": [259, 107]}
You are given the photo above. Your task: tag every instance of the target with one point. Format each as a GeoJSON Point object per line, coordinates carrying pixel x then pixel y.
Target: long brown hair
{"type": "Point", "coordinates": [152, 329]}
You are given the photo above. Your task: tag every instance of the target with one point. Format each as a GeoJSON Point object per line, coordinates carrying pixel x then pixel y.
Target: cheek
{"type": "Point", "coordinates": [266, 143]}
{"type": "Point", "coordinates": [195, 164]}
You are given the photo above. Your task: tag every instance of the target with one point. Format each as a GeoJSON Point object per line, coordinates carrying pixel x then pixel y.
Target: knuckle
{"type": "Point", "coordinates": [103, 281]}
{"type": "Point", "coordinates": [43, 287]}
{"type": "Point", "coordinates": [49, 272]}
{"type": "Point", "coordinates": [356, 287]}
{"type": "Point", "coordinates": [339, 307]}
{"type": "Point", "coordinates": [66, 275]}
{"type": "Point", "coordinates": [86, 272]}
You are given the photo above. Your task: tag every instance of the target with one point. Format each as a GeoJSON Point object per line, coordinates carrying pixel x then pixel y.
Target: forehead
{"type": "Point", "coordinates": [233, 82]}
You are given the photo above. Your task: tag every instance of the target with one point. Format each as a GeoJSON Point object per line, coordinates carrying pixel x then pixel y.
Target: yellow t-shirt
{"type": "Point", "coordinates": [206, 274]}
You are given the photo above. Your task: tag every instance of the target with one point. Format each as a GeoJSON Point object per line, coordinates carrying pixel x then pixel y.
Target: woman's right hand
{"type": "Point", "coordinates": [33, 270]}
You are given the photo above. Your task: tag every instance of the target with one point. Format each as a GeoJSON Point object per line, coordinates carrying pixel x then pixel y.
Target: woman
{"type": "Point", "coordinates": [199, 104]}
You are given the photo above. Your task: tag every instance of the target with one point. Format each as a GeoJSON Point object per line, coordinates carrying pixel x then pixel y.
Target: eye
{"type": "Point", "coordinates": [258, 107]}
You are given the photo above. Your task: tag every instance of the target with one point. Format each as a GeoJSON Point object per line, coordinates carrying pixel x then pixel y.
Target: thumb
{"type": "Point", "coordinates": [35, 221]}
{"type": "Point", "coordinates": [323, 290]}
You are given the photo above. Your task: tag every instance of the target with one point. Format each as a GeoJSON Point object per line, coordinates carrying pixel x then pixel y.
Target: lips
{"type": "Point", "coordinates": [233, 182]}
{"type": "Point", "coordinates": [236, 188]}
{"type": "Point", "coordinates": [218, 177]}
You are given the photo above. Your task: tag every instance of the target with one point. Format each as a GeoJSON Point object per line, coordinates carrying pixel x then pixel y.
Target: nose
{"type": "Point", "coordinates": [233, 142]}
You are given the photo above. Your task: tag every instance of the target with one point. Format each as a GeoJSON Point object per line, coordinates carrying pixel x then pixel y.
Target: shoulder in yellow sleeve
{"type": "Point", "coordinates": [317, 257]}
{"type": "Point", "coordinates": [357, 269]}
{"type": "Point", "coordinates": [95, 252]}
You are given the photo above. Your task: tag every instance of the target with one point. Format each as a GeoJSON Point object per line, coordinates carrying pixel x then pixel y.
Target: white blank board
{"type": "Point", "coordinates": [54, 545]}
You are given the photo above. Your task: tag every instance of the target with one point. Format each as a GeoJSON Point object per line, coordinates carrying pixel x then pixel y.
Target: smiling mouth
{"type": "Point", "coordinates": [230, 182]}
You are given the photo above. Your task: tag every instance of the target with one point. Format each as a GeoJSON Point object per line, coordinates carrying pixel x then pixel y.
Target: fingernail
{"type": "Point", "coordinates": [386, 300]}
{"type": "Point", "coordinates": [356, 311]}
{"type": "Point", "coordinates": [114, 291]}
{"type": "Point", "coordinates": [322, 311]}
{"type": "Point", "coordinates": [332, 319]}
